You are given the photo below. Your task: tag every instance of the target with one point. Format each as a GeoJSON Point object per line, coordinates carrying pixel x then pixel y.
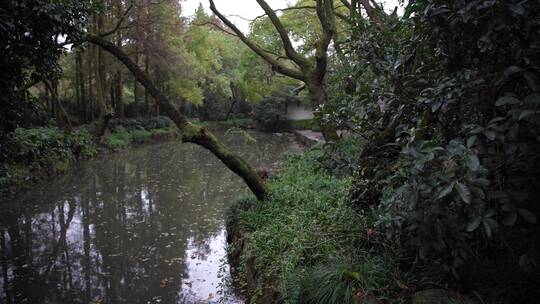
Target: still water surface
{"type": "Point", "coordinates": [141, 226]}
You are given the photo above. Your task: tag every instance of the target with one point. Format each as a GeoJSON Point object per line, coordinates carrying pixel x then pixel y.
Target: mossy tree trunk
{"type": "Point", "coordinates": [189, 132]}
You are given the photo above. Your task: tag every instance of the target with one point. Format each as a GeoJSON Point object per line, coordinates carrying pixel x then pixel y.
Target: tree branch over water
{"type": "Point", "coordinates": [189, 132]}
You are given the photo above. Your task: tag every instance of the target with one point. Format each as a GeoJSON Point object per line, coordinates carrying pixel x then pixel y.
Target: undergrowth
{"type": "Point", "coordinates": [34, 153]}
{"type": "Point", "coordinates": [308, 244]}
{"type": "Point", "coordinates": [135, 131]}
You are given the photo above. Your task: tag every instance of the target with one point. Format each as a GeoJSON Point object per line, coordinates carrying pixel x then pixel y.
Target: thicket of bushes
{"type": "Point", "coordinates": [129, 131]}
{"type": "Point", "coordinates": [30, 154]}
{"type": "Point", "coordinates": [448, 100]}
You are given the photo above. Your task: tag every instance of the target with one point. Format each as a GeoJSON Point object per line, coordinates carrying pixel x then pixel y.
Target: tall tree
{"type": "Point", "coordinates": [310, 70]}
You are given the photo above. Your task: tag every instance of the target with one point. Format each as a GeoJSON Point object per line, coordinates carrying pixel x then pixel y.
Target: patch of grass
{"type": "Point", "coordinates": [140, 136]}
{"type": "Point", "coordinates": [299, 233]}
{"type": "Point", "coordinates": [121, 137]}
{"type": "Point", "coordinates": [118, 140]}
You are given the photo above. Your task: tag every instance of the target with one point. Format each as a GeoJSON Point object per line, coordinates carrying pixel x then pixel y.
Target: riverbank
{"type": "Point", "coordinates": [36, 154]}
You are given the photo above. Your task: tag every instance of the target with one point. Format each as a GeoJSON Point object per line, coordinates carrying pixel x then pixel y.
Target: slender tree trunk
{"type": "Point", "coordinates": [104, 115]}
{"type": "Point", "coordinates": [119, 96]}
{"type": "Point", "coordinates": [60, 114]}
{"type": "Point", "coordinates": [82, 87]}
{"type": "Point", "coordinates": [91, 98]}
{"type": "Point", "coordinates": [78, 80]}
{"type": "Point", "coordinates": [136, 84]}
{"type": "Point", "coordinates": [235, 97]}
{"type": "Point", "coordinates": [119, 92]}
{"type": "Point", "coordinates": [146, 95]}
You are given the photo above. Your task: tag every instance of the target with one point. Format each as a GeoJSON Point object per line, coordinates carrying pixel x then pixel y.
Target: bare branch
{"type": "Point", "coordinates": [119, 23]}
{"type": "Point", "coordinates": [370, 11]}
{"type": "Point", "coordinates": [217, 26]}
{"type": "Point", "coordinates": [285, 39]}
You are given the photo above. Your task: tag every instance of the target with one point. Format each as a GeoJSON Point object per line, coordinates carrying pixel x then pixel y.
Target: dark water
{"type": "Point", "coordinates": [141, 226]}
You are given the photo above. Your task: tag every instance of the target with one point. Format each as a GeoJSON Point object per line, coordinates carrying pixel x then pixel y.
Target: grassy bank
{"type": "Point", "coordinates": [125, 133]}
{"type": "Point", "coordinates": [34, 154]}
{"type": "Point", "coordinates": [306, 245]}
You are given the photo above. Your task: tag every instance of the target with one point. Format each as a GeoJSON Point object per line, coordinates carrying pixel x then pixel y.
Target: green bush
{"type": "Point", "coordinates": [118, 140]}
{"type": "Point", "coordinates": [140, 136]}
{"type": "Point", "coordinates": [448, 103]}
{"type": "Point", "coordinates": [159, 122]}
{"type": "Point", "coordinates": [82, 143]}
{"type": "Point", "coordinates": [341, 157]}
{"type": "Point", "coordinates": [129, 131]}
{"type": "Point", "coordinates": [270, 114]}
{"type": "Point", "coordinates": [31, 153]}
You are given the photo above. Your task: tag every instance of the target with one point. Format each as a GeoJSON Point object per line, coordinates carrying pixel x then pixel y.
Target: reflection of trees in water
{"type": "Point", "coordinates": [118, 230]}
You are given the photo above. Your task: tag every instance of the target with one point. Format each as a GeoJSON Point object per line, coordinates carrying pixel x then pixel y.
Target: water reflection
{"type": "Point", "coordinates": [144, 226]}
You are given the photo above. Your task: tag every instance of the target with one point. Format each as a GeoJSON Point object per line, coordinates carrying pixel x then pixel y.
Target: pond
{"type": "Point", "coordinates": [140, 226]}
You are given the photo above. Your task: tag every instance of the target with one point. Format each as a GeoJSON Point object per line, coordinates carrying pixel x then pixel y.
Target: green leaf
{"type": "Point", "coordinates": [525, 113]}
{"type": "Point", "coordinates": [446, 191]}
{"type": "Point", "coordinates": [464, 192]}
{"type": "Point", "coordinates": [473, 224]}
{"type": "Point", "coordinates": [511, 70]}
{"type": "Point", "coordinates": [487, 228]}
{"type": "Point", "coordinates": [471, 141]}
{"type": "Point", "coordinates": [472, 162]}
{"type": "Point", "coordinates": [527, 215]}
{"type": "Point", "coordinates": [506, 100]}
{"type": "Point", "coordinates": [490, 134]}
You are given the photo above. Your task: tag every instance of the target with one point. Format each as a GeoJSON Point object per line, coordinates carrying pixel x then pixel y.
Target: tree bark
{"type": "Point", "coordinates": [105, 114]}
{"type": "Point", "coordinates": [82, 87]}
{"type": "Point", "coordinates": [119, 96]}
{"type": "Point", "coordinates": [119, 92]}
{"type": "Point", "coordinates": [136, 84]}
{"type": "Point", "coordinates": [318, 98]}
{"type": "Point", "coordinates": [189, 132]}
{"type": "Point", "coordinates": [146, 95]}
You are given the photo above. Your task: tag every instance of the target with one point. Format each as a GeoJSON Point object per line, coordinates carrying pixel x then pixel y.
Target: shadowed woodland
{"type": "Point", "coordinates": [345, 151]}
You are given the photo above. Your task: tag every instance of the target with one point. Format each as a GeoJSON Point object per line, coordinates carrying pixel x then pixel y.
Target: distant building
{"type": "Point", "coordinates": [298, 111]}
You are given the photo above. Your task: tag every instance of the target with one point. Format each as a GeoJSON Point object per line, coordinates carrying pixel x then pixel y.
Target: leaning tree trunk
{"type": "Point", "coordinates": [190, 133]}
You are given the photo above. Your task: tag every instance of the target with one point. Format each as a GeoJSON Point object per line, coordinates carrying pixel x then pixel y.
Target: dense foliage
{"type": "Point", "coordinates": [38, 152]}
{"type": "Point", "coordinates": [30, 31]}
{"type": "Point", "coordinates": [135, 131]}
{"type": "Point", "coordinates": [447, 98]}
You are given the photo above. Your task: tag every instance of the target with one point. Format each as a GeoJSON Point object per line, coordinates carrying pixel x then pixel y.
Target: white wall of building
{"type": "Point", "coordinates": [298, 112]}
